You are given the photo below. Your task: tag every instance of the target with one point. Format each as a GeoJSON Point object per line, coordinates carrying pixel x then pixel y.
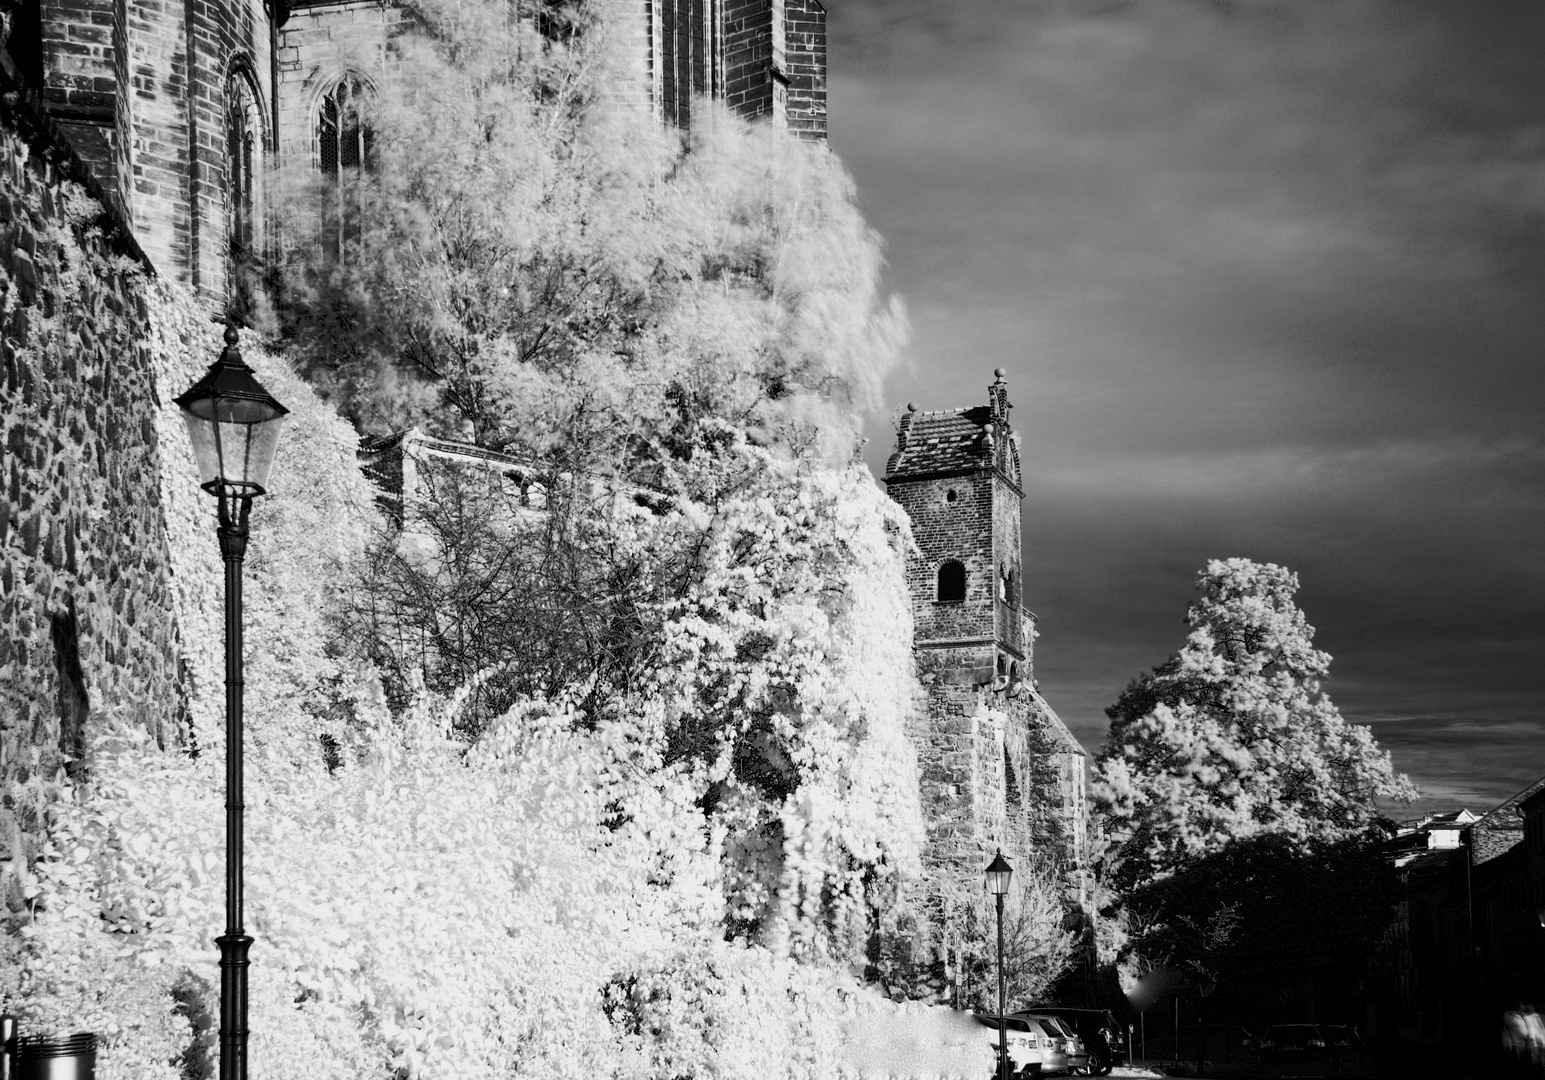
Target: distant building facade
{"type": "Point", "coordinates": [1468, 939]}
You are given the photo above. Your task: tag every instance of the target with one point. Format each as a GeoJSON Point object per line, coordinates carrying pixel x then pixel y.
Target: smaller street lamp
{"type": "Point", "coordinates": [1204, 988]}
{"type": "Point", "coordinates": [234, 425]}
{"type": "Point", "coordinates": [998, 873]}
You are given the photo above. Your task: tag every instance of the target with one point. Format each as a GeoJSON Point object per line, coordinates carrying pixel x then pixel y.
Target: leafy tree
{"type": "Point", "coordinates": [1233, 738]}
{"type": "Point", "coordinates": [948, 951]}
{"type": "Point", "coordinates": [784, 684]}
{"type": "Point", "coordinates": [516, 587]}
{"type": "Point", "coordinates": [1264, 911]}
{"type": "Point", "coordinates": [550, 271]}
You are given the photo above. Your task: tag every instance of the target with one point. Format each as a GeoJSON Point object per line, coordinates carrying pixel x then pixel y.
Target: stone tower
{"type": "Point", "coordinates": [999, 768]}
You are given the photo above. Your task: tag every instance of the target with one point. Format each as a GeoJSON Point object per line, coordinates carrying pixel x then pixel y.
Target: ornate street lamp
{"type": "Point", "coordinates": [998, 873]}
{"type": "Point", "coordinates": [234, 425]}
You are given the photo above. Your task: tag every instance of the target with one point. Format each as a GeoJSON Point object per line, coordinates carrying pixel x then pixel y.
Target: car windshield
{"type": "Point", "coordinates": [1056, 1026]}
{"type": "Point", "coordinates": [1293, 1034]}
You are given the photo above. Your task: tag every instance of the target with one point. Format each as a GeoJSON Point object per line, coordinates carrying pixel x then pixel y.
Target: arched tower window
{"type": "Point", "coordinates": [952, 583]}
{"type": "Point", "coordinates": [243, 171]}
{"type": "Point", "coordinates": [344, 154]}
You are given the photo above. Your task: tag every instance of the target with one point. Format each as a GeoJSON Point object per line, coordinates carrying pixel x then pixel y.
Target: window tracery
{"type": "Point", "coordinates": [345, 152]}
{"type": "Point", "coordinates": [243, 175]}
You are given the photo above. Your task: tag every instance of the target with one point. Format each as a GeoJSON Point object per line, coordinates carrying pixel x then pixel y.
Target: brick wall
{"type": "Point", "coordinates": [317, 47]}
{"type": "Point", "coordinates": [139, 91]}
{"type": "Point", "coordinates": [82, 43]}
{"type": "Point", "coordinates": [158, 156]}
{"type": "Point", "coordinates": [804, 32]}
{"type": "Point", "coordinates": [755, 82]}
{"type": "Point", "coordinates": [952, 520]}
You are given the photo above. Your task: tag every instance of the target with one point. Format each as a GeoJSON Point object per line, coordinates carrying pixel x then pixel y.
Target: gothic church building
{"type": "Point", "coordinates": [178, 107]}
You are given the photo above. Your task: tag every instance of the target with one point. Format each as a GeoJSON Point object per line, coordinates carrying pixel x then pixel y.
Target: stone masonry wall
{"type": "Point", "coordinates": [1008, 548]}
{"type": "Point", "coordinates": [85, 620]}
{"type": "Point", "coordinates": [110, 610]}
{"type": "Point", "coordinates": [85, 627]}
{"type": "Point", "coordinates": [111, 598]}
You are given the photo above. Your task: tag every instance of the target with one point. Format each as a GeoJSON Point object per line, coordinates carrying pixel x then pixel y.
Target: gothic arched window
{"type": "Point", "coordinates": [952, 583]}
{"type": "Point", "coordinates": [243, 167]}
{"type": "Point", "coordinates": [344, 154]}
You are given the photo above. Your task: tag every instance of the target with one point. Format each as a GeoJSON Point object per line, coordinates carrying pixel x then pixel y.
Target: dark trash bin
{"type": "Point", "coordinates": [74, 1057]}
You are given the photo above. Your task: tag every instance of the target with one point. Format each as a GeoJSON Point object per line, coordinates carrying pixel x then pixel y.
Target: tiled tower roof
{"type": "Point", "coordinates": [947, 441]}
{"type": "Point", "coordinates": [944, 440]}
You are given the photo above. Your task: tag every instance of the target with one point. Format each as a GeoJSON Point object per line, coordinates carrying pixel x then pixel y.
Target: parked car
{"type": "Point", "coordinates": [1032, 1050]}
{"type": "Point", "coordinates": [1348, 1053]}
{"type": "Point", "coordinates": [1100, 1033]}
{"type": "Point", "coordinates": [1224, 1049]}
{"type": "Point", "coordinates": [1068, 1052]}
{"type": "Point", "coordinates": [1023, 1041]}
{"type": "Point", "coordinates": [1295, 1050]}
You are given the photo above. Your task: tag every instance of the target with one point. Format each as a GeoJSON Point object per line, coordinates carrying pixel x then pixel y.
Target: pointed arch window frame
{"type": "Point", "coordinates": [343, 150]}
{"type": "Point", "coordinates": [248, 143]}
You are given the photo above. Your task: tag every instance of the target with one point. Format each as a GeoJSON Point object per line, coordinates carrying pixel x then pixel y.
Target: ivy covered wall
{"type": "Point", "coordinates": [111, 597]}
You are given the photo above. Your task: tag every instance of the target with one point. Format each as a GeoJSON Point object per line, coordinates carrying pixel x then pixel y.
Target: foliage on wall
{"type": "Point", "coordinates": [533, 263]}
{"type": "Point", "coordinates": [545, 903]}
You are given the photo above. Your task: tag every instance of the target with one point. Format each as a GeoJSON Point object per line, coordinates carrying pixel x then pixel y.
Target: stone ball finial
{"type": "Point", "coordinates": [911, 406]}
{"type": "Point", "coordinates": [1000, 373]}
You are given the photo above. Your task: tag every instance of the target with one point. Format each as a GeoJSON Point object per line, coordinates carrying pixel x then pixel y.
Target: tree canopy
{"type": "Point", "coordinates": [531, 260]}
{"type": "Point", "coordinates": [1232, 737]}
{"type": "Point", "coordinates": [678, 333]}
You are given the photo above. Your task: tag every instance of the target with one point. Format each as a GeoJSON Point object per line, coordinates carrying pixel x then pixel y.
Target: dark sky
{"type": "Point", "coordinates": [1269, 281]}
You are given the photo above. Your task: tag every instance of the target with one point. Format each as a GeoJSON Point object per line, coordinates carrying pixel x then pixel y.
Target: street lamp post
{"type": "Point", "coordinates": [1204, 988]}
{"type": "Point", "coordinates": [234, 426]}
{"type": "Point", "coordinates": [998, 873]}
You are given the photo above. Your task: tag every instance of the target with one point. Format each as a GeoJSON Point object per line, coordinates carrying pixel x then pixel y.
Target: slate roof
{"type": "Point", "coordinates": [943, 441]}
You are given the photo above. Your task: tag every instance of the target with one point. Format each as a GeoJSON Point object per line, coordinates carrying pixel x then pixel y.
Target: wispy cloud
{"type": "Point", "coordinates": [1266, 276]}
